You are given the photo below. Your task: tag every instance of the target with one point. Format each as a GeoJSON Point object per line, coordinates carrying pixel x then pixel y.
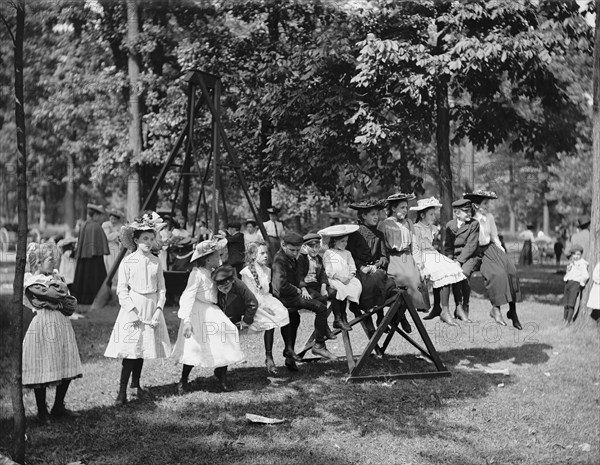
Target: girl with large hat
{"type": "Point", "coordinates": [50, 354]}
{"type": "Point", "coordinates": [439, 269]}
{"type": "Point", "coordinates": [499, 273]}
{"type": "Point", "coordinates": [398, 232]}
{"type": "Point", "coordinates": [207, 338]}
{"type": "Point", "coordinates": [140, 332]}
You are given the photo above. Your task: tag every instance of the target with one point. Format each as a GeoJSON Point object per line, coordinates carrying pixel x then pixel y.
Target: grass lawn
{"type": "Point", "coordinates": [528, 397]}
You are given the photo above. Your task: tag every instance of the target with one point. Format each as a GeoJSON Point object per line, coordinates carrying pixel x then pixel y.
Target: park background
{"type": "Point", "coordinates": [326, 102]}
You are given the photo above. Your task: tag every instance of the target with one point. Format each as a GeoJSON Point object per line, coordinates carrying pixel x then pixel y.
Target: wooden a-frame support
{"type": "Point", "coordinates": [204, 83]}
{"type": "Point", "coordinates": [400, 304]}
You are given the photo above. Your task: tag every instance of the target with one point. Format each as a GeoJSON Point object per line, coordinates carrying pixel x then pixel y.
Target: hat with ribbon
{"type": "Point", "coordinates": [368, 205]}
{"type": "Point", "coordinates": [424, 204]}
{"type": "Point", "coordinates": [479, 195]}
{"type": "Point", "coordinates": [398, 196]}
{"type": "Point", "coordinates": [149, 221]}
{"type": "Point", "coordinates": [95, 208]}
{"type": "Point", "coordinates": [205, 248]}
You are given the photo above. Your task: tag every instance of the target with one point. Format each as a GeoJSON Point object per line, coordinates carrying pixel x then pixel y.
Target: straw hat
{"type": "Point", "coordinates": [400, 196]}
{"type": "Point", "coordinates": [479, 195]}
{"type": "Point", "coordinates": [66, 241]}
{"type": "Point", "coordinates": [423, 204]}
{"type": "Point", "coordinates": [207, 247]}
{"type": "Point", "coordinates": [368, 205]}
{"type": "Point", "coordinates": [114, 212]}
{"type": "Point", "coordinates": [338, 230]}
{"type": "Point", "coordinates": [95, 208]}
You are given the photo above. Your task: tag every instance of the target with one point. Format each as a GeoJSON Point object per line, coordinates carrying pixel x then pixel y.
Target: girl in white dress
{"type": "Point", "coordinates": [50, 354]}
{"type": "Point", "coordinates": [439, 269]}
{"type": "Point", "coordinates": [140, 331]}
{"type": "Point", "coordinates": [339, 265]}
{"type": "Point", "coordinates": [271, 312]}
{"type": "Point", "coordinates": [594, 299]}
{"type": "Point", "coordinates": [206, 338]}
{"type": "Point", "coordinates": [112, 229]}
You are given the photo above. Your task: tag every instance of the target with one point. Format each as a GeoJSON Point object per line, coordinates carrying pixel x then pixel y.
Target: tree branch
{"type": "Point", "coordinates": [8, 29]}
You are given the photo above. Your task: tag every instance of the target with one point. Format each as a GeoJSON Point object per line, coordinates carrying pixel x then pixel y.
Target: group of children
{"type": "Point", "coordinates": [363, 266]}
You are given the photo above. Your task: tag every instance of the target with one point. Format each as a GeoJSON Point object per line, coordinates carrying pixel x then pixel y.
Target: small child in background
{"type": "Point", "coordinates": [575, 279]}
{"type": "Point", "coordinates": [68, 262]}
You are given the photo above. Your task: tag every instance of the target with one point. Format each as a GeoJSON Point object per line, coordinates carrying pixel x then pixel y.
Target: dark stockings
{"type": "Point", "coordinates": [185, 373]}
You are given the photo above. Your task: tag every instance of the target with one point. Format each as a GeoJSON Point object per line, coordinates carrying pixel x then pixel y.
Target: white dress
{"type": "Point", "coordinates": [441, 269]}
{"type": "Point", "coordinates": [215, 339]}
{"type": "Point", "coordinates": [594, 300]}
{"type": "Point", "coordinates": [67, 266]}
{"type": "Point", "coordinates": [262, 319]}
{"type": "Point", "coordinates": [141, 285]}
{"type": "Point", "coordinates": [340, 262]}
{"type": "Point", "coordinates": [50, 352]}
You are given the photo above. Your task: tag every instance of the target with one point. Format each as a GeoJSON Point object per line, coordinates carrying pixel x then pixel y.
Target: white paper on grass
{"type": "Point", "coordinates": [260, 419]}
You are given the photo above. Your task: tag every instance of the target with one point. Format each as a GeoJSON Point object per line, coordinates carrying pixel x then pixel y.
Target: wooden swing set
{"type": "Point", "coordinates": [204, 90]}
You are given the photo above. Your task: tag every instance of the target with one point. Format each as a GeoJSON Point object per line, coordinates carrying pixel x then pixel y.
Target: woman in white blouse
{"type": "Point", "coordinates": [499, 273]}
{"type": "Point", "coordinates": [140, 331]}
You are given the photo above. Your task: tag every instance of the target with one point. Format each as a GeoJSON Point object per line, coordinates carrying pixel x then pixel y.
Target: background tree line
{"type": "Point", "coordinates": [325, 101]}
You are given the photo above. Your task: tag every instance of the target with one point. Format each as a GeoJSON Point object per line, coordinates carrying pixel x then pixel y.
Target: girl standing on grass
{"type": "Point", "coordinates": [140, 331]}
{"type": "Point", "coordinates": [594, 299]}
{"type": "Point", "coordinates": [50, 353]}
{"type": "Point", "coordinates": [207, 338]}
{"type": "Point", "coordinates": [271, 312]}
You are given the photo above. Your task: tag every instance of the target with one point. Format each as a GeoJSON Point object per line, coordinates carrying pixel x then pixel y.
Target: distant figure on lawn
{"type": "Point", "coordinates": [50, 353]}
{"type": "Point", "coordinates": [526, 256]}
{"type": "Point", "coordinates": [92, 246]}
{"type": "Point", "coordinates": [582, 237]}
{"type": "Point", "coordinates": [576, 277]}
{"type": "Point", "coordinates": [112, 229]}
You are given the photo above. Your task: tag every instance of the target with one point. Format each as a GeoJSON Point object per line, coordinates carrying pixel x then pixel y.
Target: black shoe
{"type": "Point", "coordinates": [291, 364]}
{"type": "Point", "coordinates": [339, 324]}
{"type": "Point", "coordinates": [329, 335]}
{"type": "Point", "coordinates": [435, 312]}
{"type": "Point", "coordinates": [121, 399]}
{"type": "Point", "coordinates": [322, 351]}
{"type": "Point", "coordinates": [225, 386]}
{"type": "Point", "coordinates": [406, 327]}
{"type": "Point", "coordinates": [515, 319]}
{"type": "Point", "coordinates": [62, 412]}
{"type": "Point", "coordinates": [183, 387]}
{"type": "Point", "coordinates": [288, 353]}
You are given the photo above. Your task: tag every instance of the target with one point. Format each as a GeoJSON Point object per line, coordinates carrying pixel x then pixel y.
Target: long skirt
{"type": "Point", "coordinates": [90, 273]}
{"type": "Point", "coordinates": [526, 256]}
{"type": "Point", "coordinates": [271, 313]}
{"type": "Point", "coordinates": [50, 353]}
{"type": "Point", "coordinates": [144, 341]}
{"type": "Point", "coordinates": [403, 270]}
{"type": "Point", "coordinates": [442, 270]}
{"type": "Point", "coordinates": [500, 276]}
{"type": "Point", "coordinates": [214, 342]}
{"type": "Point", "coordinates": [376, 288]}
{"type": "Point", "coordinates": [112, 256]}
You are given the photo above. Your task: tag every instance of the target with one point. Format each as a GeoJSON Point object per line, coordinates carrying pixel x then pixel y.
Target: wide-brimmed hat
{"type": "Point", "coordinates": [250, 220]}
{"type": "Point", "coordinates": [149, 221]}
{"type": "Point", "coordinates": [181, 237]}
{"type": "Point", "coordinates": [398, 196]}
{"type": "Point", "coordinates": [368, 205]}
{"type": "Point", "coordinates": [207, 247]}
{"type": "Point", "coordinates": [311, 237]}
{"type": "Point", "coordinates": [462, 204]}
{"type": "Point", "coordinates": [584, 221]}
{"type": "Point", "coordinates": [338, 230]}
{"type": "Point", "coordinates": [424, 204]}
{"type": "Point", "coordinates": [479, 195]}
{"type": "Point", "coordinates": [95, 208]}
{"type": "Point", "coordinates": [115, 212]}
{"type": "Point", "coordinates": [574, 248]}
{"type": "Point", "coordinates": [273, 210]}
{"type": "Point", "coordinates": [66, 241]}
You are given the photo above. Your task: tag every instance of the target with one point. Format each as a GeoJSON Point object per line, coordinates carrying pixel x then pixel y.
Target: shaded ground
{"type": "Point", "coordinates": [528, 397]}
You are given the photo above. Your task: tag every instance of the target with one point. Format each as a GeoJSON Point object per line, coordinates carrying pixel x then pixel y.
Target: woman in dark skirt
{"type": "Point", "coordinates": [92, 246]}
{"type": "Point", "coordinates": [499, 273]}
{"type": "Point", "coordinates": [526, 256]}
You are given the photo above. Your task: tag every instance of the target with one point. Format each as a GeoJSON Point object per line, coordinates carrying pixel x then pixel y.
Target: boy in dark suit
{"type": "Point", "coordinates": [236, 249]}
{"type": "Point", "coordinates": [462, 243]}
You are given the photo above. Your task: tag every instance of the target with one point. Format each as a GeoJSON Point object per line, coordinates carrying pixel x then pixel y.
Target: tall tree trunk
{"type": "Point", "coordinates": [264, 199]}
{"type": "Point", "coordinates": [135, 127]}
{"type": "Point", "coordinates": [583, 318]}
{"type": "Point", "coordinates": [443, 150]}
{"type": "Point", "coordinates": [69, 198]}
{"type": "Point", "coordinates": [545, 216]}
{"type": "Point", "coordinates": [17, 300]}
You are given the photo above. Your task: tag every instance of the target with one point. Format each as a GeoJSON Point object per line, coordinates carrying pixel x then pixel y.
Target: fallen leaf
{"type": "Point", "coordinates": [260, 419]}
